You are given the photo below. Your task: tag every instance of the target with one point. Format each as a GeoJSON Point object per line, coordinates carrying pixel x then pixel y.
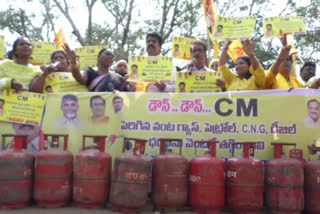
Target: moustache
{"type": "Point", "coordinates": [149, 46]}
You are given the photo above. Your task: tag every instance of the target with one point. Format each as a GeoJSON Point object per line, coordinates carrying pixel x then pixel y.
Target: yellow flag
{"type": "Point", "coordinates": [209, 15]}
{"type": "Point", "coordinates": [215, 48]}
{"type": "Point", "coordinates": [59, 39]}
{"type": "Point", "coordinates": [235, 50]}
{"type": "Point", "coordinates": [293, 52]}
{"type": "Point", "coordinates": [210, 18]}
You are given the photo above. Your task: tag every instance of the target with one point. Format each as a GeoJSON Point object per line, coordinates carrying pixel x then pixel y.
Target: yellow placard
{"type": "Point", "coordinates": [88, 55]}
{"type": "Point", "coordinates": [24, 107]}
{"type": "Point", "coordinates": [234, 28]}
{"type": "Point", "coordinates": [278, 26]}
{"type": "Point", "coordinates": [1, 47]}
{"type": "Point", "coordinates": [181, 47]}
{"type": "Point", "coordinates": [41, 52]}
{"type": "Point", "coordinates": [150, 68]}
{"type": "Point", "coordinates": [61, 82]}
{"type": "Point", "coordinates": [197, 81]}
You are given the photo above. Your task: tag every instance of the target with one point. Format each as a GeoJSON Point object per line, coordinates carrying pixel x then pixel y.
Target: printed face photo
{"type": "Point", "coordinates": [69, 108]}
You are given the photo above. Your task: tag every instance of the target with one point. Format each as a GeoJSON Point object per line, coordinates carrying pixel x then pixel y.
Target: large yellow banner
{"type": "Point", "coordinates": [278, 26]}
{"type": "Point", "coordinates": [24, 107]}
{"type": "Point", "coordinates": [41, 52]}
{"type": "Point", "coordinates": [181, 47]}
{"type": "Point", "coordinates": [88, 55]}
{"type": "Point", "coordinates": [259, 116]}
{"type": "Point", "coordinates": [62, 81]}
{"type": "Point", "coordinates": [234, 28]}
{"type": "Point", "coordinates": [150, 68]}
{"type": "Point", "coordinates": [1, 47]}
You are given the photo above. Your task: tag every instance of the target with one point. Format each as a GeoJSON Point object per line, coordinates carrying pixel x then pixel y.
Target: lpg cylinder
{"type": "Point", "coordinates": [206, 181]}
{"type": "Point", "coordinates": [16, 171]}
{"type": "Point", "coordinates": [91, 174]}
{"type": "Point", "coordinates": [312, 183]}
{"type": "Point", "coordinates": [169, 178]}
{"type": "Point", "coordinates": [245, 181]}
{"type": "Point", "coordinates": [130, 179]}
{"type": "Point", "coordinates": [52, 174]}
{"type": "Point", "coordinates": [284, 182]}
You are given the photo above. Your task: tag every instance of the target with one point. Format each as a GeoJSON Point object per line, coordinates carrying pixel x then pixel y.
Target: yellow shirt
{"type": "Point", "coordinates": [24, 74]}
{"type": "Point", "coordinates": [274, 81]}
{"type": "Point", "coordinates": [234, 83]}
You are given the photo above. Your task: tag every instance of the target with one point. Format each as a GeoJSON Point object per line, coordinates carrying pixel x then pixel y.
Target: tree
{"type": "Point", "coordinates": [17, 21]}
{"type": "Point", "coordinates": [123, 30]}
{"type": "Point", "coordinates": [310, 44]}
{"type": "Point", "coordinates": [180, 16]}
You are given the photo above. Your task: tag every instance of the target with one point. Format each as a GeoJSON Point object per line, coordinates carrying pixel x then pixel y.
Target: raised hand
{"type": "Point", "coordinates": [248, 47]}
{"type": "Point", "coordinates": [283, 40]}
{"type": "Point", "coordinates": [284, 53]}
{"type": "Point", "coordinates": [226, 44]}
{"type": "Point", "coordinates": [70, 54]}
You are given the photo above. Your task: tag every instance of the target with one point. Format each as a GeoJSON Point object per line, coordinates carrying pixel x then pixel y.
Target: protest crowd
{"type": "Point", "coordinates": [17, 73]}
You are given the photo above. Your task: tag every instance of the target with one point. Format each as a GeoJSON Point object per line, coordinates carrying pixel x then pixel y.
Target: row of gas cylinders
{"type": "Point", "coordinates": [290, 186]}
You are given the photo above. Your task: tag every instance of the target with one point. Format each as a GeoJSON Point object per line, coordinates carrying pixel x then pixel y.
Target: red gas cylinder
{"type": "Point", "coordinates": [206, 181]}
{"type": "Point", "coordinates": [130, 179]}
{"type": "Point", "coordinates": [91, 175]}
{"type": "Point", "coordinates": [312, 184]}
{"type": "Point", "coordinates": [245, 181]}
{"type": "Point", "coordinates": [52, 174]}
{"type": "Point", "coordinates": [16, 171]}
{"type": "Point", "coordinates": [284, 183]}
{"type": "Point", "coordinates": [169, 178]}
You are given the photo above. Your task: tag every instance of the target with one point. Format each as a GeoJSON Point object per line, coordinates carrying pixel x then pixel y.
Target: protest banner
{"type": "Point", "coordinates": [88, 55]}
{"type": "Point", "coordinates": [228, 117]}
{"type": "Point", "coordinates": [41, 52]}
{"type": "Point", "coordinates": [234, 28]}
{"type": "Point", "coordinates": [24, 107]}
{"type": "Point", "coordinates": [278, 26]}
{"type": "Point", "coordinates": [198, 81]}
{"type": "Point", "coordinates": [62, 81]}
{"type": "Point", "coordinates": [150, 68]}
{"type": "Point", "coordinates": [181, 47]}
